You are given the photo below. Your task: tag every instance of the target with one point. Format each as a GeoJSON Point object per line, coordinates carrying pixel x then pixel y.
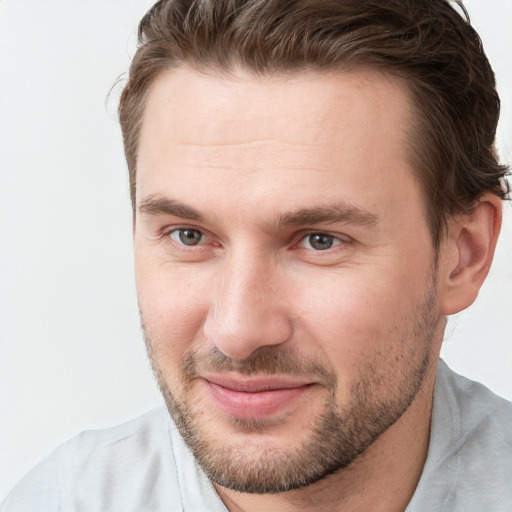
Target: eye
{"type": "Point", "coordinates": [187, 236]}
{"type": "Point", "coordinates": [320, 241]}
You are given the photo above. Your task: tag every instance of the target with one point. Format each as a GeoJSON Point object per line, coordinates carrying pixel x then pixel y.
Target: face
{"type": "Point", "coordinates": [285, 271]}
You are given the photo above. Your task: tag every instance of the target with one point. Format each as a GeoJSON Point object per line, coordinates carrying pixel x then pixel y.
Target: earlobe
{"type": "Point", "coordinates": [471, 244]}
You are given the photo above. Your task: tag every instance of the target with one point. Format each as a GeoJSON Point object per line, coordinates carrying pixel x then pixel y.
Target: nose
{"type": "Point", "coordinates": [248, 309]}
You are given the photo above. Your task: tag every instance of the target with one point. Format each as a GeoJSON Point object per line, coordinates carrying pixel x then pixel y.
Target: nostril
{"type": "Point", "coordinates": [238, 338]}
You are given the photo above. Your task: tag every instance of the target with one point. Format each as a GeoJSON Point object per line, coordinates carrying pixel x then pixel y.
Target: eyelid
{"type": "Point", "coordinates": [177, 230]}
{"type": "Point", "coordinates": [165, 234]}
{"type": "Point", "coordinates": [340, 238]}
{"type": "Point", "coordinates": [167, 230]}
{"type": "Point", "coordinates": [300, 237]}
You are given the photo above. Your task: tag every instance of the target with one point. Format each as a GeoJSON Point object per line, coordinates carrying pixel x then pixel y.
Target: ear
{"type": "Point", "coordinates": [467, 253]}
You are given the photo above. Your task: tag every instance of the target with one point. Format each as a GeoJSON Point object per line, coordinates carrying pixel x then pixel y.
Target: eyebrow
{"type": "Point", "coordinates": [340, 212]}
{"type": "Point", "coordinates": [163, 206]}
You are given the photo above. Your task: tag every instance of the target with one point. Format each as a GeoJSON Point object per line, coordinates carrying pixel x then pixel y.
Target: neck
{"type": "Point", "coordinates": [383, 479]}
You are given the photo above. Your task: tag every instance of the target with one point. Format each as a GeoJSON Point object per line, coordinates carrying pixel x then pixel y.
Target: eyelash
{"type": "Point", "coordinates": [167, 235]}
{"type": "Point", "coordinates": [338, 241]}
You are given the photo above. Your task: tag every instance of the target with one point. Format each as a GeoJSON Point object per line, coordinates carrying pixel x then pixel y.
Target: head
{"type": "Point", "coordinates": [308, 181]}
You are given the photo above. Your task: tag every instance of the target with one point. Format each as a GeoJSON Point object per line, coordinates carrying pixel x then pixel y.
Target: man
{"type": "Point", "coordinates": [315, 189]}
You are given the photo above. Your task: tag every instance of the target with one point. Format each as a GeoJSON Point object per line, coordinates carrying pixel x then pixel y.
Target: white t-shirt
{"type": "Point", "coordinates": [144, 465]}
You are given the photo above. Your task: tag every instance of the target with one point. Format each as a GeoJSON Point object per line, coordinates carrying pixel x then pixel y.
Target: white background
{"type": "Point", "coordinates": [71, 352]}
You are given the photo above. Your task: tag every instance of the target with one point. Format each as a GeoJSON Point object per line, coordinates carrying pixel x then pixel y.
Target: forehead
{"type": "Point", "coordinates": [280, 140]}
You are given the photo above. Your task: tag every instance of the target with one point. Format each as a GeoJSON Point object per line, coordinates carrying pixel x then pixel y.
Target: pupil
{"type": "Point", "coordinates": [321, 242]}
{"type": "Point", "coordinates": [190, 236]}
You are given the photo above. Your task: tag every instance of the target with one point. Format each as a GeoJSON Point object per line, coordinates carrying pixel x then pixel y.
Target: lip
{"type": "Point", "coordinates": [254, 398]}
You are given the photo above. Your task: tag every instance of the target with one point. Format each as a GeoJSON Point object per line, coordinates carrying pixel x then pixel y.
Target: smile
{"type": "Point", "coordinates": [254, 399]}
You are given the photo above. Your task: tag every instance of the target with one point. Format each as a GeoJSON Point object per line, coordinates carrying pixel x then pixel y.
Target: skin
{"type": "Point", "coordinates": [233, 160]}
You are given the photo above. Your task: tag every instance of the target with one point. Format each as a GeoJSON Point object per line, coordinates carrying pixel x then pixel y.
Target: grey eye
{"type": "Point", "coordinates": [187, 236]}
{"type": "Point", "coordinates": [320, 241]}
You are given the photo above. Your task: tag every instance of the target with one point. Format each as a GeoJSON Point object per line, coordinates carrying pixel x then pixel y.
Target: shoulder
{"type": "Point", "coordinates": [478, 418]}
{"type": "Point", "coordinates": [117, 468]}
{"type": "Point", "coordinates": [470, 454]}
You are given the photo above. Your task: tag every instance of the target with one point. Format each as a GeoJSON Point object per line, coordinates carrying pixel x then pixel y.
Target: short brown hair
{"type": "Point", "coordinates": [424, 41]}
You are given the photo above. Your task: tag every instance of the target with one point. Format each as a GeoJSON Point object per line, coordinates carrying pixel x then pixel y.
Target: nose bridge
{"type": "Point", "coordinates": [247, 309]}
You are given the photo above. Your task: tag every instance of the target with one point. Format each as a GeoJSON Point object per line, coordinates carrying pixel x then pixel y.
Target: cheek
{"type": "Point", "coordinates": [355, 319]}
{"type": "Point", "coordinates": [172, 306]}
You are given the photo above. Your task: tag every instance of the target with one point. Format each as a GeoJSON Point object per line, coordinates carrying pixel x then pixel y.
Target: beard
{"type": "Point", "coordinates": [336, 435]}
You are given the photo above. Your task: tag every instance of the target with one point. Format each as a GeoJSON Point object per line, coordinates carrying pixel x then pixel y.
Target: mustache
{"type": "Point", "coordinates": [268, 360]}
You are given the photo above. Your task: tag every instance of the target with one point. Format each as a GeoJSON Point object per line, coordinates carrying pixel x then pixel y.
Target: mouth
{"type": "Point", "coordinates": [255, 398]}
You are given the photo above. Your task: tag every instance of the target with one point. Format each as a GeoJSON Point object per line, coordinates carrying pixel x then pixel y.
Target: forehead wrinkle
{"type": "Point", "coordinates": [251, 157]}
{"type": "Point", "coordinates": [227, 150]}
{"type": "Point", "coordinates": [222, 140]}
